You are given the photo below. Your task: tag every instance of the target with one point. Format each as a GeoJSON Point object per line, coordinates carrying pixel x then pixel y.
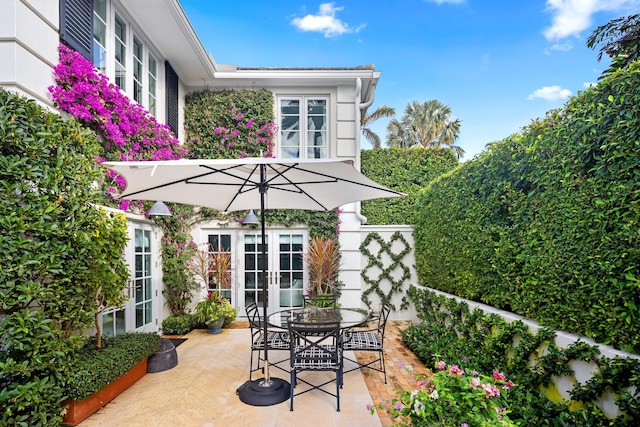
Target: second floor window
{"type": "Point", "coordinates": [120, 52]}
{"type": "Point", "coordinates": [123, 56]}
{"type": "Point", "coordinates": [303, 123]}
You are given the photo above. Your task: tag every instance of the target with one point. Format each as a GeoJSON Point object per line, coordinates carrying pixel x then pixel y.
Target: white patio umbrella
{"type": "Point", "coordinates": [234, 185]}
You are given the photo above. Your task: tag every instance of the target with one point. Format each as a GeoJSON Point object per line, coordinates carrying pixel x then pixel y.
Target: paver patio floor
{"type": "Point", "coordinates": [201, 389]}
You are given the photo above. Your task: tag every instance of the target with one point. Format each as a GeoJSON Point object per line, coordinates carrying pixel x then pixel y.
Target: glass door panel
{"type": "Point", "coordinates": [142, 281]}
{"type": "Point", "coordinates": [291, 270]}
{"type": "Point", "coordinates": [253, 276]}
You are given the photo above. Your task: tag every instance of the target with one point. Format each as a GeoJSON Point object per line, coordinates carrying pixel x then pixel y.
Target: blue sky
{"type": "Point", "coordinates": [499, 64]}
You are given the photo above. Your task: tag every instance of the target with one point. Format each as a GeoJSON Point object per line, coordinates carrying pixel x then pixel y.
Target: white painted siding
{"type": "Point", "coordinates": [28, 47]}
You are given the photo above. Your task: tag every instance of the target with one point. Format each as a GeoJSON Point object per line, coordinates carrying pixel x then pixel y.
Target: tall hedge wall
{"type": "Point", "coordinates": [546, 224]}
{"type": "Point", "coordinates": [408, 171]}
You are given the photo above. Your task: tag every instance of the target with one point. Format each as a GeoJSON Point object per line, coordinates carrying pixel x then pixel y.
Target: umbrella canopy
{"type": "Point", "coordinates": [235, 184]}
{"type": "Point", "coordinates": [242, 184]}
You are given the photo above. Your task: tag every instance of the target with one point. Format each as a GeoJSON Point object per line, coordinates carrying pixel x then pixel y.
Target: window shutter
{"type": "Point", "coordinates": [76, 26]}
{"type": "Point", "coordinates": [171, 79]}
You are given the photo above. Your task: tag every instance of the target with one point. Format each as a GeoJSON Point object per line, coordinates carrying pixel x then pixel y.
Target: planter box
{"type": "Point", "coordinates": [79, 410]}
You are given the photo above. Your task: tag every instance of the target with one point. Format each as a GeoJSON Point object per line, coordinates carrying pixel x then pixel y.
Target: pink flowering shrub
{"type": "Point", "coordinates": [129, 131]}
{"type": "Point", "coordinates": [449, 396]}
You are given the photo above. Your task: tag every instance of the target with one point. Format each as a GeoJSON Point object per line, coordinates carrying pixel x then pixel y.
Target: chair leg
{"type": "Point", "coordinates": [384, 368]}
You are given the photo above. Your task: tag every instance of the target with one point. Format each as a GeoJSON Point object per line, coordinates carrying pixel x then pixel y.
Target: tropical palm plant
{"type": "Point", "coordinates": [397, 135]}
{"type": "Point", "coordinates": [368, 119]}
{"type": "Point", "coordinates": [426, 124]}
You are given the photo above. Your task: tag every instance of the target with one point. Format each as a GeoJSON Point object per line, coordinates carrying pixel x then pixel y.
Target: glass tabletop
{"type": "Point", "coordinates": [347, 317]}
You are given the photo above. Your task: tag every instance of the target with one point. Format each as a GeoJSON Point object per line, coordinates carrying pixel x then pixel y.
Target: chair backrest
{"type": "Point", "coordinates": [317, 343]}
{"type": "Point", "coordinates": [382, 319]}
{"type": "Point", "coordinates": [320, 300]}
{"type": "Point", "coordinates": [253, 315]}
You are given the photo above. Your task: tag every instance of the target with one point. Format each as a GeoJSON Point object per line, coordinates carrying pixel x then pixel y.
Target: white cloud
{"type": "Point", "coordinates": [571, 17]}
{"type": "Point", "coordinates": [325, 22]}
{"type": "Point", "coordinates": [550, 93]}
{"type": "Point", "coordinates": [561, 47]}
{"type": "Point", "coordinates": [587, 85]}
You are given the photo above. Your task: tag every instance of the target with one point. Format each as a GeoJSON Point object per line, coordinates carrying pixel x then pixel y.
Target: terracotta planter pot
{"type": "Point", "coordinates": [79, 410]}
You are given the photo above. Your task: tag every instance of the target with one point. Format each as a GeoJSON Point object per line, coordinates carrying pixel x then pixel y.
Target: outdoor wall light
{"type": "Point", "coordinates": [251, 218]}
{"type": "Point", "coordinates": [159, 209]}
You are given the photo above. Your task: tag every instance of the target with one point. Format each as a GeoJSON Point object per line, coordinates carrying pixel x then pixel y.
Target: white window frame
{"type": "Point", "coordinates": [303, 130]}
{"type": "Point", "coordinates": [149, 79]}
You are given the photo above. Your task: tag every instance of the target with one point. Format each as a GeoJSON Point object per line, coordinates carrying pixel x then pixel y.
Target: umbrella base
{"type": "Point", "coordinates": [259, 393]}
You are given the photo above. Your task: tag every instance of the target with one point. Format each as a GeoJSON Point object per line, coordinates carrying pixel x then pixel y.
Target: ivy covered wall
{"type": "Point", "coordinates": [229, 124]}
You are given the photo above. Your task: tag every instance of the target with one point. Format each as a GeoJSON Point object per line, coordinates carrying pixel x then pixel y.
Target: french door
{"type": "Point", "coordinates": [285, 268]}
{"type": "Point", "coordinates": [140, 312]}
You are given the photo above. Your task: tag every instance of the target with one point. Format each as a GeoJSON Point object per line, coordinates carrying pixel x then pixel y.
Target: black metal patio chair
{"type": "Point", "coordinates": [371, 340]}
{"type": "Point", "coordinates": [315, 346]}
{"type": "Point", "coordinates": [276, 339]}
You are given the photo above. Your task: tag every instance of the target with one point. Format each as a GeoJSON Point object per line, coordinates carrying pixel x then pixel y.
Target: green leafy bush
{"type": "Point", "coordinates": [546, 224]}
{"type": "Point", "coordinates": [57, 253]}
{"type": "Point", "coordinates": [407, 171]}
{"type": "Point", "coordinates": [92, 369]}
{"type": "Point", "coordinates": [178, 325]}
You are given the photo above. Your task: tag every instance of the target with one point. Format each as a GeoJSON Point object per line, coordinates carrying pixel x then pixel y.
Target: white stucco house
{"type": "Point", "coordinates": [150, 50]}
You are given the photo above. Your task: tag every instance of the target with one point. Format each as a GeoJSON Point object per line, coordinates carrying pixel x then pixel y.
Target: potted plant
{"type": "Point", "coordinates": [213, 310]}
{"type": "Point", "coordinates": [323, 264]}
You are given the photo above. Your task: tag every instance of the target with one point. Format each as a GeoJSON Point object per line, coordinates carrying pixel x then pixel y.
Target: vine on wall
{"type": "Point", "coordinates": [379, 276]}
{"type": "Point", "coordinates": [476, 340]}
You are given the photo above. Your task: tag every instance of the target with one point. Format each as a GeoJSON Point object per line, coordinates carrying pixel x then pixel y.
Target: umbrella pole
{"type": "Point", "coordinates": [265, 283]}
{"type": "Point", "coordinates": [267, 391]}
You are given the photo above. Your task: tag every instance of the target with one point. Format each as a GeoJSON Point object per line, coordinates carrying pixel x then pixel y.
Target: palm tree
{"type": "Point", "coordinates": [397, 134]}
{"type": "Point", "coordinates": [426, 124]}
{"type": "Point", "coordinates": [367, 119]}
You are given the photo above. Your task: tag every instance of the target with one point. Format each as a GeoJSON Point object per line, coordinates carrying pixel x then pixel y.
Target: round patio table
{"type": "Point", "coordinates": [347, 317]}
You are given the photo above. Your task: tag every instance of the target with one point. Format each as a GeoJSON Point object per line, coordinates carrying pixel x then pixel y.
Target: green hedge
{"type": "Point", "coordinates": [547, 223]}
{"type": "Point", "coordinates": [92, 369]}
{"type": "Point", "coordinates": [407, 171]}
{"type": "Point", "coordinates": [178, 325]}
